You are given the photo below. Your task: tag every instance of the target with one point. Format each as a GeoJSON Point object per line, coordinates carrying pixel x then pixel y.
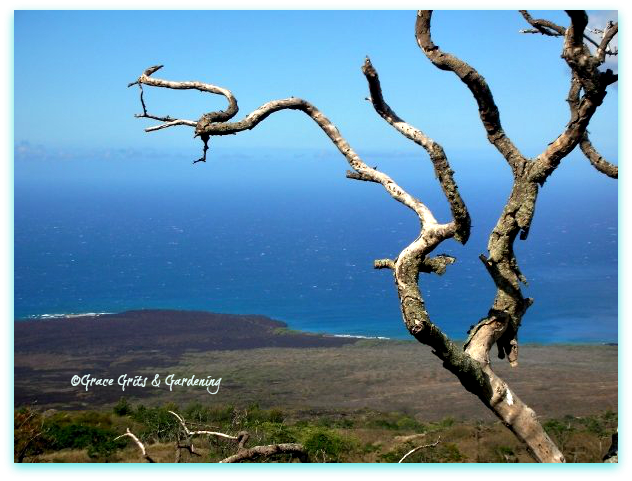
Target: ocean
{"type": "Point", "coordinates": [292, 239]}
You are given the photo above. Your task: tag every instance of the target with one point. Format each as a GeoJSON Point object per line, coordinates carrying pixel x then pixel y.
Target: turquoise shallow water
{"type": "Point", "coordinates": [303, 253]}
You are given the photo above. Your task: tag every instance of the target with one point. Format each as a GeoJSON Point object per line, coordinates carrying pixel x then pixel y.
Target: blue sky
{"type": "Point", "coordinates": [71, 69]}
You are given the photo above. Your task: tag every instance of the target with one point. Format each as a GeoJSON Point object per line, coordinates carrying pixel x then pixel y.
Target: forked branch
{"type": "Point", "coordinates": [215, 123]}
{"type": "Point", "coordinates": [590, 80]}
{"type": "Point", "coordinates": [548, 28]}
{"type": "Point", "coordinates": [218, 116]}
{"type": "Point", "coordinates": [437, 155]}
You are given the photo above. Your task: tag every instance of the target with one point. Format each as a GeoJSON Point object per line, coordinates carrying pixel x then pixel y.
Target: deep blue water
{"type": "Point", "coordinates": [297, 243]}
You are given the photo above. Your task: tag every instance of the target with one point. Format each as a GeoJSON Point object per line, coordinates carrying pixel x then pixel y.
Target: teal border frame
{"type": "Point", "coordinates": [295, 470]}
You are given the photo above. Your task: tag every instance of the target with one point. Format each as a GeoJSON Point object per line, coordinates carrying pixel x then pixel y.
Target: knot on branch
{"type": "Point", "coordinates": [359, 176]}
{"type": "Point", "coordinates": [437, 264]}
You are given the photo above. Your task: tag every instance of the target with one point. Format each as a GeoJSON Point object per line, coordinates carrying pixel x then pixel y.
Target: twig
{"type": "Point", "coordinates": [199, 433]}
{"type": "Point", "coordinates": [420, 447]}
{"type": "Point", "coordinates": [140, 445]}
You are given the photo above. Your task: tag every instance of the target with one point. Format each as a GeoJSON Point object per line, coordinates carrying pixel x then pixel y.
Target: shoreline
{"type": "Point", "coordinates": [96, 315]}
{"type": "Point", "coordinates": [261, 361]}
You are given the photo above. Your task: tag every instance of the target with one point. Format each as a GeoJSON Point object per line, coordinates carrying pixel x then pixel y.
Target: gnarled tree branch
{"type": "Point", "coordinates": [363, 171]}
{"type": "Point", "coordinates": [604, 47]}
{"type": "Point", "coordinates": [597, 161]}
{"type": "Point", "coordinates": [218, 116]}
{"type": "Point", "coordinates": [487, 108]}
{"type": "Point", "coordinates": [601, 164]}
{"type": "Point", "coordinates": [545, 27]}
{"type": "Point", "coordinates": [593, 82]}
{"type": "Point", "coordinates": [247, 454]}
{"type": "Point", "coordinates": [437, 155]}
{"type": "Point", "coordinates": [548, 28]}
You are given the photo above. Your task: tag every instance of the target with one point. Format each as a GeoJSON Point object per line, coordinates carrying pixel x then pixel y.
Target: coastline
{"type": "Point", "coordinates": [261, 361]}
{"type": "Point", "coordinates": [184, 312]}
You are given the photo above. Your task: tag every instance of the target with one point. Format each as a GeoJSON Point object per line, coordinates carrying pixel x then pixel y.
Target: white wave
{"type": "Point", "coordinates": [69, 315]}
{"type": "Point", "coordinates": [360, 337]}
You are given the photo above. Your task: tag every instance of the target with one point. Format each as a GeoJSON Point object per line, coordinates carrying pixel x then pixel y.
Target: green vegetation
{"type": "Point", "coordinates": [333, 436]}
{"type": "Point", "coordinates": [285, 331]}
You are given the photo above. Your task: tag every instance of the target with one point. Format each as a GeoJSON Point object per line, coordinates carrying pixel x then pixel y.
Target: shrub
{"type": "Point", "coordinates": [159, 424]}
{"type": "Point", "coordinates": [122, 407]}
{"type": "Point", "coordinates": [324, 444]}
{"type": "Point", "coordinates": [99, 442]}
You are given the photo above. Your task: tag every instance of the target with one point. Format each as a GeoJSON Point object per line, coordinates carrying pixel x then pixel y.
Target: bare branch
{"type": "Point", "coordinates": [384, 264]}
{"type": "Point", "coordinates": [598, 162]}
{"type": "Point", "coordinates": [219, 116]}
{"type": "Point", "coordinates": [172, 123]}
{"type": "Point", "coordinates": [365, 172]}
{"type": "Point", "coordinates": [487, 109]}
{"type": "Point", "coordinates": [587, 78]}
{"type": "Point", "coordinates": [544, 27]}
{"type": "Point", "coordinates": [601, 164]}
{"type": "Point", "coordinates": [439, 160]}
{"type": "Point", "coordinates": [199, 433]}
{"type": "Point", "coordinates": [432, 445]}
{"type": "Point", "coordinates": [267, 451]}
{"type": "Point", "coordinates": [611, 30]}
{"type": "Point", "coordinates": [140, 445]}
{"type": "Point", "coordinates": [168, 120]}
{"type": "Point", "coordinates": [548, 28]}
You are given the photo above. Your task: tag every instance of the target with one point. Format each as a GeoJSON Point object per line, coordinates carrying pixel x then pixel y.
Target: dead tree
{"type": "Point", "coordinates": [471, 364]}
{"type": "Point", "coordinates": [243, 453]}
